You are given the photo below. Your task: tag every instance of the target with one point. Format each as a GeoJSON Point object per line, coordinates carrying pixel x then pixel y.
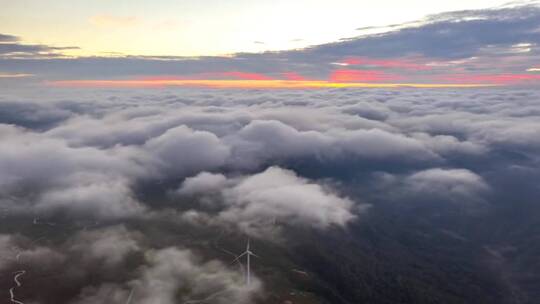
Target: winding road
{"type": "Point", "coordinates": [18, 284]}
{"type": "Point", "coordinates": [130, 296]}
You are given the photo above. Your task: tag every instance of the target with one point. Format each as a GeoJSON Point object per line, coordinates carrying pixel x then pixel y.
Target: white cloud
{"type": "Point", "coordinates": [435, 185]}
{"type": "Point", "coordinates": [257, 203]}
{"type": "Point", "coordinates": [455, 183]}
{"type": "Point", "coordinates": [172, 270]}
{"type": "Point", "coordinates": [101, 199]}
{"type": "Point", "coordinates": [109, 246]}
{"type": "Point", "coordinates": [203, 183]}
{"type": "Point", "coordinates": [281, 194]}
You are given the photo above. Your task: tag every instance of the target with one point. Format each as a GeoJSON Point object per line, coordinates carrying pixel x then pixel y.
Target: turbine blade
{"type": "Point", "coordinates": [253, 254]}
{"type": "Point", "coordinates": [238, 257]}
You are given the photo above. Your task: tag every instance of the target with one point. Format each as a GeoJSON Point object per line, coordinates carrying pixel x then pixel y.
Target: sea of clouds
{"type": "Point", "coordinates": [256, 163]}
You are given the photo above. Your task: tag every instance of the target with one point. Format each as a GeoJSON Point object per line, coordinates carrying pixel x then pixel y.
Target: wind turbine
{"type": "Point", "coordinates": [248, 253]}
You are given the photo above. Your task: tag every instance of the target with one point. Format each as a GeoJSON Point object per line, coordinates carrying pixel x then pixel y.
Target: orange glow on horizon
{"type": "Point", "coordinates": [338, 78]}
{"type": "Point", "coordinates": [247, 84]}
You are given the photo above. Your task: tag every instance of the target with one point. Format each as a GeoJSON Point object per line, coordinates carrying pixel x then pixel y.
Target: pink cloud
{"type": "Point", "coordinates": [161, 77]}
{"type": "Point", "coordinates": [245, 76]}
{"type": "Point", "coordinates": [491, 78]}
{"type": "Point", "coordinates": [293, 76]}
{"type": "Point", "coordinates": [348, 75]}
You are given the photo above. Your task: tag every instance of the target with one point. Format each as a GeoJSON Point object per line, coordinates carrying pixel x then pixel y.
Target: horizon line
{"type": "Point", "coordinates": [250, 84]}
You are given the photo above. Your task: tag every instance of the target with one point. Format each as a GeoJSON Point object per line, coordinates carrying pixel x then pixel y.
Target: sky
{"type": "Point", "coordinates": [287, 44]}
{"type": "Point", "coordinates": [211, 27]}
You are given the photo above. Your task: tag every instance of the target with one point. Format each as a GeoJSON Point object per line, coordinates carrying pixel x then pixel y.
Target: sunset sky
{"type": "Point", "coordinates": [212, 27]}
{"type": "Point", "coordinates": [269, 151]}
{"type": "Point", "coordinates": [484, 42]}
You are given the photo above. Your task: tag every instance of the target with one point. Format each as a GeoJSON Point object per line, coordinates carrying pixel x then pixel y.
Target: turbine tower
{"type": "Point", "coordinates": [248, 253]}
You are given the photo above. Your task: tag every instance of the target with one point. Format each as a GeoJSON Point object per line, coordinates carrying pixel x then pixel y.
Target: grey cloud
{"type": "Point", "coordinates": [494, 129]}
{"type": "Point", "coordinates": [367, 110]}
{"type": "Point", "coordinates": [274, 140]}
{"type": "Point", "coordinates": [376, 143]}
{"type": "Point", "coordinates": [128, 127]}
{"type": "Point", "coordinates": [8, 38]}
{"type": "Point", "coordinates": [447, 182]}
{"type": "Point", "coordinates": [434, 185]}
{"type": "Point", "coordinates": [93, 67]}
{"type": "Point", "coordinates": [182, 150]}
{"type": "Point", "coordinates": [82, 180]}
{"type": "Point", "coordinates": [11, 46]}
{"type": "Point", "coordinates": [22, 151]}
{"type": "Point", "coordinates": [216, 115]}
{"type": "Point", "coordinates": [449, 35]}
{"type": "Point", "coordinates": [93, 182]}
{"type": "Point", "coordinates": [450, 145]}
{"type": "Point", "coordinates": [32, 115]}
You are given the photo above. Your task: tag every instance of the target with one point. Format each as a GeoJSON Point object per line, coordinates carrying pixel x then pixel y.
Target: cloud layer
{"type": "Point", "coordinates": [147, 183]}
